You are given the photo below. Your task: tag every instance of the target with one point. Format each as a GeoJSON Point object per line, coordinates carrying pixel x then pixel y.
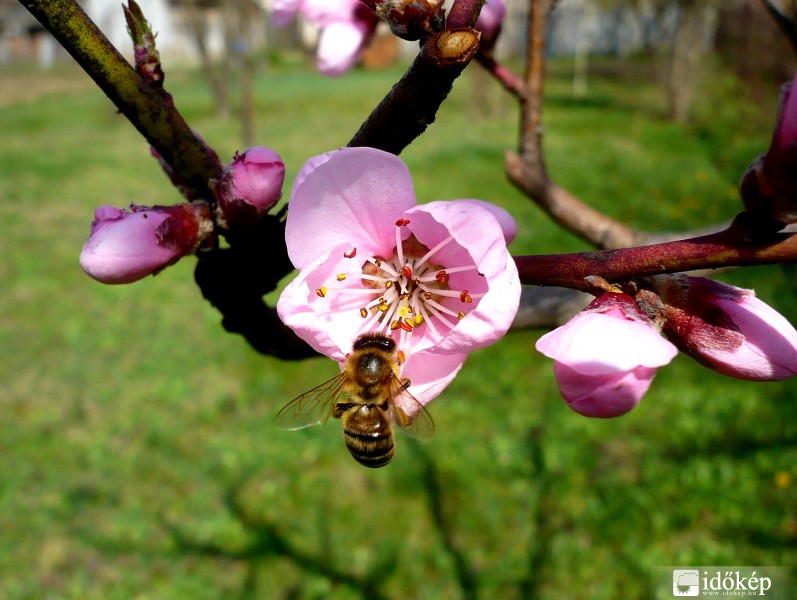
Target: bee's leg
{"type": "Point", "coordinates": [406, 383]}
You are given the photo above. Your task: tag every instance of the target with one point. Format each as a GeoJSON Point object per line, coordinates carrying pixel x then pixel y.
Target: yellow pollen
{"type": "Point", "coordinates": [322, 291]}
{"type": "Point", "coordinates": [363, 312]}
{"type": "Point", "coordinates": [418, 319]}
{"type": "Point", "coordinates": [394, 325]}
{"type": "Point", "coordinates": [404, 311]}
{"type": "Point", "coordinates": [341, 276]}
{"type": "Point", "coordinates": [461, 316]}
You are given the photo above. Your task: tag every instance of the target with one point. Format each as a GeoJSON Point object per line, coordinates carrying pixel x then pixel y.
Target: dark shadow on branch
{"type": "Point", "coordinates": [235, 279]}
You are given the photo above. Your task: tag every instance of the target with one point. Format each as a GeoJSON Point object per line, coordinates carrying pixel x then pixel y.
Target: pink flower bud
{"type": "Point", "coordinates": [490, 21]}
{"type": "Point", "coordinates": [251, 185]}
{"type": "Point", "coordinates": [769, 187]}
{"type": "Point", "coordinates": [606, 356]}
{"type": "Point", "coordinates": [728, 329]}
{"type": "Point", "coordinates": [126, 246]}
{"type": "Point", "coordinates": [410, 19]}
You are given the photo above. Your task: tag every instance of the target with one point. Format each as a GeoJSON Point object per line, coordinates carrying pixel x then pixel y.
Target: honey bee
{"type": "Point", "coordinates": [370, 378]}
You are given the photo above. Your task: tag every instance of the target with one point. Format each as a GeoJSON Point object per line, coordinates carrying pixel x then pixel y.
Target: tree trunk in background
{"type": "Point", "coordinates": [218, 75]}
{"type": "Point", "coordinates": [696, 23]}
{"type": "Point", "coordinates": [247, 26]}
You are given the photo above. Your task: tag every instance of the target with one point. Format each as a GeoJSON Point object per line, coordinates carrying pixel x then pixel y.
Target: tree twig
{"type": "Point", "coordinates": [410, 107]}
{"type": "Point", "coordinates": [724, 249]}
{"type": "Point", "coordinates": [161, 125]}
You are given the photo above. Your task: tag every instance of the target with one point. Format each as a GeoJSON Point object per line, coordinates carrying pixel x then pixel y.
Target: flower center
{"type": "Point", "coordinates": [406, 291]}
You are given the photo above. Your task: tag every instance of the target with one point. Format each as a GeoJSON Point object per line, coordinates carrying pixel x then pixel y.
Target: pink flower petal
{"type": "Point", "coordinates": [605, 396]}
{"type": "Point", "coordinates": [125, 248]}
{"type": "Point", "coordinates": [429, 375]}
{"type": "Point", "coordinates": [331, 324]}
{"type": "Point", "coordinates": [340, 46]}
{"type": "Point", "coordinates": [354, 197]}
{"type": "Point", "coordinates": [479, 240]}
{"type": "Point", "coordinates": [600, 343]}
{"type": "Point", "coordinates": [283, 12]}
{"type": "Point", "coordinates": [505, 220]}
{"type": "Point", "coordinates": [326, 12]}
{"type": "Point", "coordinates": [769, 350]}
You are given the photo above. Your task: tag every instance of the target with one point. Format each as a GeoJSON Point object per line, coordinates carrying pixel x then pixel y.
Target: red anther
{"type": "Point", "coordinates": [442, 277]}
{"type": "Point", "coordinates": [465, 297]}
{"type": "Point", "coordinates": [402, 222]}
{"type": "Point", "coordinates": [406, 271]}
{"type": "Point", "coordinates": [350, 253]}
{"type": "Point", "coordinates": [406, 325]}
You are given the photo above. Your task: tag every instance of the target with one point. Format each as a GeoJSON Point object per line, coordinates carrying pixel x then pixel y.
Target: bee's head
{"type": "Point", "coordinates": [376, 341]}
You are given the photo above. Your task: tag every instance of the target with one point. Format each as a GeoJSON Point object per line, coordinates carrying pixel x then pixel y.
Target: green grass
{"type": "Point", "coordinates": [140, 459]}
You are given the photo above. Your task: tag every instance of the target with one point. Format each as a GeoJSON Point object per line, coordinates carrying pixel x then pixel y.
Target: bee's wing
{"type": "Point", "coordinates": [421, 424]}
{"type": "Point", "coordinates": [313, 407]}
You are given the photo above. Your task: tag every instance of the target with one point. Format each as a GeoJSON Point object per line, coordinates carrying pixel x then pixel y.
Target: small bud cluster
{"type": "Point", "coordinates": [606, 356]}
{"type": "Point", "coordinates": [411, 19]}
{"type": "Point", "coordinates": [125, 246]}
{"type": "Point", "coordinates": [251, 185]}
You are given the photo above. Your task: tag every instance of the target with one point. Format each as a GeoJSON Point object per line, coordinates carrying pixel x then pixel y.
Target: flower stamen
{"type": "Point", "coordinates": [405, 291]}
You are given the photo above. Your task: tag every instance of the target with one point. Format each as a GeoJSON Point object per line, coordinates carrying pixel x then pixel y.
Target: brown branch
{"type": "Point", "coordinates": [728, 248]}
{"type": "Point", "coordinates": [531, 104]}
{"type": "Point", "coordinates": [463, 13]}
{"type": "Point", "coordinates": [564, 208]}
{"type": "Point", "coordinates": [511, 82]}
{"type": "Point", "coordinates": [527, 171]}
{"type": "Point", "coordinates": [410, 107]}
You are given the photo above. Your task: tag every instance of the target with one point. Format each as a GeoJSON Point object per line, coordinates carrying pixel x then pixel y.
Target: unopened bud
{"type": "Point", "coordinates": [411, 19]}
{"type": "Point", "coordinates": [124, 247]}
{"type": "Point", "coordinates": [606, 356]}
{"type": "Point", "coordinates": [769, 187]}
{"type": "Point", "coordinates": [251, 185]}
{"type": "Point", "coordinates": [727, 328]}
{"type": "Point", "coordinates": [490, 21]}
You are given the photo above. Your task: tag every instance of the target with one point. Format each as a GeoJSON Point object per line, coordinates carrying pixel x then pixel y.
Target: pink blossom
{"type": "Point", "coordinates": [346, 28]}
{"type": "Point", "coordinates": [251, 185]}
{"type": "Point", "coordinates": [728, 329]}
{"type": "Point", "coordinates": [126, 246]}
{"type": "Point", "coordinates": [606, 356]}
{"type": "Point", "coordinates": [436, 277]}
